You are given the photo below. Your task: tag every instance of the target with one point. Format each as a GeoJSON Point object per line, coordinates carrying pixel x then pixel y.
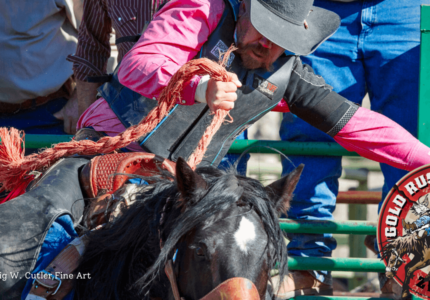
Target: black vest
{"type": "Point", "coordinates": [178, 134]}
{"type": "Point", "coordinates": [25, 221]}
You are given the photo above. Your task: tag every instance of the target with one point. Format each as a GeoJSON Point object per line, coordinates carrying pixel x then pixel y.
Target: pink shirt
{"type": "Point", "coordinates": [175, 36]}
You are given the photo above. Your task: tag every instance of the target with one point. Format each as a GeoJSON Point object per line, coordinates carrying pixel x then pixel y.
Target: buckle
{"type": "Point", "coordinates": [52, 277]}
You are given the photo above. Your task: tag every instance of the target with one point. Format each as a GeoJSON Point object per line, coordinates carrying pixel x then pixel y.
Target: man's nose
{"type": "Point", "coordinates": [265, 42]}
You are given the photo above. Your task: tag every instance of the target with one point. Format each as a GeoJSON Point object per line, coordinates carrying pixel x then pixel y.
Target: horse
{"type": "Point", "coordinates": [210, 225]}
{"type": "Point", "coordinates": [395, 249]}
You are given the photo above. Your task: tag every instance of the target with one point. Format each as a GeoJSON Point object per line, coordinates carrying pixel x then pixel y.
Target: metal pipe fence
{"type": "Point", "coordinates": [320, 227]}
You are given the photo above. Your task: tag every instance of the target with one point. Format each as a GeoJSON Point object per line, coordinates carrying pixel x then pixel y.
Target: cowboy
{"type": "Point", "coordinates": [420, 209]}
{"type": "Point", "coordinates": [93, 51]}
{"type": "Point", "coordinates": [266, 74]}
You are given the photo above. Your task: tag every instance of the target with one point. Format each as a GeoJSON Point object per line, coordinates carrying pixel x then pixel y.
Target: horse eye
{"type": "Point", "coordinates": [199, 251]}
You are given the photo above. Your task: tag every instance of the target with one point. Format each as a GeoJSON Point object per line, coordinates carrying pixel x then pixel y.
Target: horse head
{"type": "Point", "coordinates": [212, 232]}
{"type": "Point", "coordinates": [393, 251]}
{"type": "Point", "coordinates": [227, 228]}
{"type": "Point", "coordinates": [394, 262]}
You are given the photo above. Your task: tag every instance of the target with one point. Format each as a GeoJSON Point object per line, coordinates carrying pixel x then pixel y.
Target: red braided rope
{"type": "Point", "coordinates": [14, 166]}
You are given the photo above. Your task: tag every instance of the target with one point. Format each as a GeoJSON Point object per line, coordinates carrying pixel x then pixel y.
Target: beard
{"type": "Point", "coordinates": [251, 63]}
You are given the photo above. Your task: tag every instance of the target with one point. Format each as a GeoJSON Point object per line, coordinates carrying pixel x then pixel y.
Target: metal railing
{"type": "Point", "coordinates": [325, 149]}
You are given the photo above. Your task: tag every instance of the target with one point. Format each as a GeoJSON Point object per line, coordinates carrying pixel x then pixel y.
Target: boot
{"type": "Point", "coordinates": [298, 283]}
{"type": "Point", "coordinates": [390, 288]}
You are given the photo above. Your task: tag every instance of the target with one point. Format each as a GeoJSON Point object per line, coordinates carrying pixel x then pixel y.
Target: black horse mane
{"type": "Point", "coordinates": [124, 258]}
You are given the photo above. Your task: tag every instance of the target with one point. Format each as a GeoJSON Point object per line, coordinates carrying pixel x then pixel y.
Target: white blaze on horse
{"type": "Point", "coordinates": [212, 232]}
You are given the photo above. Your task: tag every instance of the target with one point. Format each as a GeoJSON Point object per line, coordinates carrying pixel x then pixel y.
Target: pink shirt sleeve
{"type": "Point", "coordinates": [377, 137]}
{"type": "Point", "coordinates": [174, 37]}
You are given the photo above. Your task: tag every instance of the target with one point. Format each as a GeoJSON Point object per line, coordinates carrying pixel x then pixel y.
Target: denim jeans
{"type": "Point", "coordinates": [39, 120]}
{"type": "Point", "coordinates": [376, 50]}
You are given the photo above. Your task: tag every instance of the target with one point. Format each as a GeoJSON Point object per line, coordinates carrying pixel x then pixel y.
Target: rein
{"type": "Point", "coordinates": [168, 267]}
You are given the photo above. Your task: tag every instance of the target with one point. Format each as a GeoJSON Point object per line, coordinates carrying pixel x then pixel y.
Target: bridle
{"type": "Point", "coordinates": [168, 267]}
{"type": "Point", "coordinates": [398, 258]}
{"type": "Point", "coordinates": [236, 284]}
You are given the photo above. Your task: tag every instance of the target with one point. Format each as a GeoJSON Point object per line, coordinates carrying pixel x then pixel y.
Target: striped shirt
{"type": "Point", "coordinates": [126, 17]}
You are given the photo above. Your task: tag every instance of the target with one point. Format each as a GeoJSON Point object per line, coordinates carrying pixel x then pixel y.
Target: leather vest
{"type": "Point", "coordinates": [178, 134]}
{"type": "Point", "coordinates": [25, 221]}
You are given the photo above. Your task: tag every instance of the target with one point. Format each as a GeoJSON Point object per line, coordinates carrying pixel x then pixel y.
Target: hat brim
{"type": "Point", "coordinates": [322, 24]}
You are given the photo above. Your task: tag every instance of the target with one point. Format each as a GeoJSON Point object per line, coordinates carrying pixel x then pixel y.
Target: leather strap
{"type": "Point", "coordinates": [168, 268]}
{"type": "Point", "coordinates": [57, 278]}
{"type": "Point", "coordinates": [99, 79]}
{"type": "Point", "coordinates": [65, 91]}
{"type": "Point", "coordinates": [129, 38]}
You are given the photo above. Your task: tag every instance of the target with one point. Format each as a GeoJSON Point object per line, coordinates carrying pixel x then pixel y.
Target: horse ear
{"type": "Point", "coordinates": [189, 182]}
{"type": "Point", "coordinates": [281, 191]}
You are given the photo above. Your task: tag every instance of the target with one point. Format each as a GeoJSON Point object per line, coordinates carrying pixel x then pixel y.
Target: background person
{"type": "Point", "coordinates": [37, 90]}
{"type": "Point", "coordinates": [127, 18]}
{"type": "Point", "coordinates": [375, 50]}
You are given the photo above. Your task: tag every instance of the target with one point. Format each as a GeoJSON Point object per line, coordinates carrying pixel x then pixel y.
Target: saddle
{"type": "Point", "coordinates": [26, 219]}
{"type": "Point", "coordinates": [100, 179]}
{"type": "Point", "coordinates": [103, 184]}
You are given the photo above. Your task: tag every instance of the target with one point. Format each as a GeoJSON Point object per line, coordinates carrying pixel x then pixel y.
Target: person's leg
{"type": "Point", "coordinates": [39, 120]}
{"type": "Point", "coordinates": [338, 61]}
{"type": "Point", "coordinates": [391, 51]}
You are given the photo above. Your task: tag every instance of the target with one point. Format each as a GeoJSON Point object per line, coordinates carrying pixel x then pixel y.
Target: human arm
{"type": "Point", "coordinates": [377, 137]}
{"type": "Point", "coordinates": [93, 48]}
{"type": "Point", "coordinates": [174, 37]}
{"type": "Point", "coordinates": [368, 133]}
{"type": "Point", "coordinates": [86, 93]}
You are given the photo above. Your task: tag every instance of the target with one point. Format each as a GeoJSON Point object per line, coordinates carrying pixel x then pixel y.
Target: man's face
{"type": "Point", "coordinates": [255, 50]}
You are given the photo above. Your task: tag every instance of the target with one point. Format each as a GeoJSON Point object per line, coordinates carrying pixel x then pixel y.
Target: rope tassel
{"type": "Point", "coordinates": [14, 165]}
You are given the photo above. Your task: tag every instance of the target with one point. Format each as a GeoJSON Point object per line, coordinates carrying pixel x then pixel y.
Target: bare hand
{"type": "Point", "coordinates": [221, 95]}
{"type": "Point", "coordinates": [69, 114]}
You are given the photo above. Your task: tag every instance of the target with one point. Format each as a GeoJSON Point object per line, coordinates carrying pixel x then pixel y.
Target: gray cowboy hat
{"type": "Point", "coordinates": [283, 23]}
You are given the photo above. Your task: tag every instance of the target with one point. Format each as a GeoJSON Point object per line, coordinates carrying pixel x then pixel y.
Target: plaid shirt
{"type": "Point", "coordinates": [126, 17]}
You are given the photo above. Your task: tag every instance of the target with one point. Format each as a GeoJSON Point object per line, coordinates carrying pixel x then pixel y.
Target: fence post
{"type": "Point", "coordinates": [424, 86]}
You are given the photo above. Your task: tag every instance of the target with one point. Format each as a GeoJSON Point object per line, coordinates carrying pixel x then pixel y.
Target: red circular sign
{"type": "Point", "coordinates": [404, 232]}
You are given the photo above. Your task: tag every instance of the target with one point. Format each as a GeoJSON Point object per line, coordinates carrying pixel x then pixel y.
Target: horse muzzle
{"type": "Point", "coordinates": [237, 288]}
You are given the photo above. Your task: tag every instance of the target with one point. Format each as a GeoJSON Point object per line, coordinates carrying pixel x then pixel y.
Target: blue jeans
{"type": "Point", "coordinates": [39, 120]}
{"type": "Point", "coordinates": [60, 234]}
{"type": "Point", "coordinates": [376, 50]}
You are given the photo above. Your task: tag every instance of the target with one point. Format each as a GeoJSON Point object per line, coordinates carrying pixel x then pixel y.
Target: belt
{"type": "Point", "coordinates": [65, 91]}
